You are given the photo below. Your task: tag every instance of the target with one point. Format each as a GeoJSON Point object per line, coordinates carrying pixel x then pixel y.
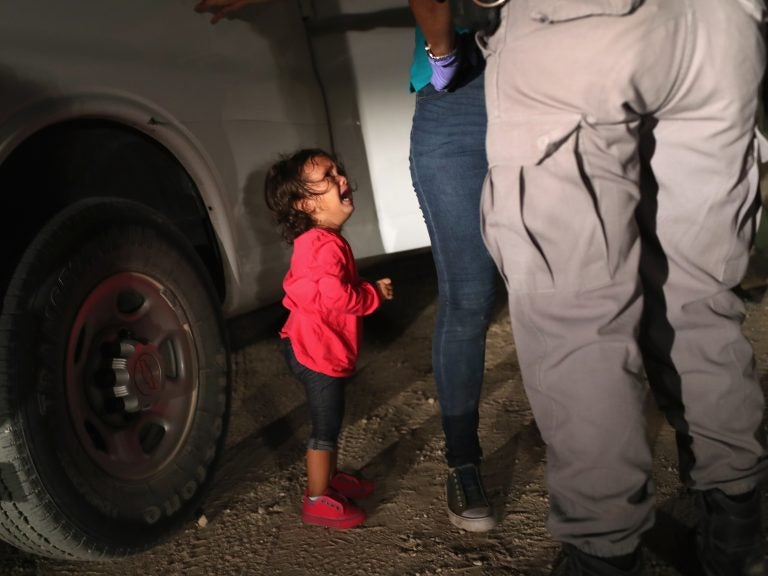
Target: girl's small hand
{"type": "Point", "coordinates": [384, 288]}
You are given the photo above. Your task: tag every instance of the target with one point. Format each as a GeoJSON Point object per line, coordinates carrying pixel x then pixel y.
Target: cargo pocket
{"type": "Point", "coordinates": [519, 261]}
{"type": "Point", "coordinates": [747, 220]}
{"type": "Point", "coordinates": [542, 219]}
{"type": "Point", "coordinates": [551, 11]}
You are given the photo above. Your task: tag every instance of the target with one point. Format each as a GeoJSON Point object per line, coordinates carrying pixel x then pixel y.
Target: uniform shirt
{"type": "Point", "coordinates": [327, 300]}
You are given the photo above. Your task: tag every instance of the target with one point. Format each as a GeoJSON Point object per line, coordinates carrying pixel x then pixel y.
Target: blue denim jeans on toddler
{"type": "Point", "coordinates": [448, 167]}
{"type": "Point", "coordinates": [325, 398]}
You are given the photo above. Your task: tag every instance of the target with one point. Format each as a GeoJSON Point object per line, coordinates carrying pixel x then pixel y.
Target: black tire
{"type": "Point", "coordinates": [114, 384]}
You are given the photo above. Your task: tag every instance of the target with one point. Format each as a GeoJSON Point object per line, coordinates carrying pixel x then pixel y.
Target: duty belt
{"type": "Point", "coordinates": [479, 15]}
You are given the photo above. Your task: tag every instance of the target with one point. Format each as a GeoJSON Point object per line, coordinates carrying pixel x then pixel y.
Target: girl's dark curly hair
{"type": "Point", "coordinates": [285, 186]}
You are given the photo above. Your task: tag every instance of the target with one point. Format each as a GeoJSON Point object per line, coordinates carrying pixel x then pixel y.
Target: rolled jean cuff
{"type": "Point", "coordinates": [327, 445]}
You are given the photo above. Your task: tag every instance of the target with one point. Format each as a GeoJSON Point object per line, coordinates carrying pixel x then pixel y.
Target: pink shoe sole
{"type": "Point", "coordinates": [334, 523]}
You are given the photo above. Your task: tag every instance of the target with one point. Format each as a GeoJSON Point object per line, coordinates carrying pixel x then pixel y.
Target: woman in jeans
{"type": "Point", "coordinates": [448, 167]}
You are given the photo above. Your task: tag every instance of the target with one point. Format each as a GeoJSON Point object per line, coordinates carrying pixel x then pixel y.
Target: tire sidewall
{"type": "Point", "coordinates": [85, 246]}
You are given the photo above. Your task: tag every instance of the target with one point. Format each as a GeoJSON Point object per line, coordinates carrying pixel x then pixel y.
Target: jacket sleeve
{"type": "Point", "coordinates": [339, 287]}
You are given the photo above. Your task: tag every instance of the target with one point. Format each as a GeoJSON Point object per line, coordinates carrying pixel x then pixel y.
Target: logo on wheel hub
{"type": "Point", "coordinates": [147, 374]}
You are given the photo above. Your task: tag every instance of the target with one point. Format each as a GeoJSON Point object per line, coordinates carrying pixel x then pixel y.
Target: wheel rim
{"type": "Point", "coordinates": [131, 376]}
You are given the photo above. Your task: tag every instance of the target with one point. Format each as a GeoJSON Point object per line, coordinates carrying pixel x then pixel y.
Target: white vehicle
{"type": "Point", "coordinates": [134, 138]}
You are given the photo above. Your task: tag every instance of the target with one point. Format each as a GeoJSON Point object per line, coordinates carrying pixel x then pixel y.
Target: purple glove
{"type": "Point", "coordinates": [443, 69]}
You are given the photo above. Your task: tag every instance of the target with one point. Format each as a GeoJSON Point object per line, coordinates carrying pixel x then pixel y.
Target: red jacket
{"type": "Point", "coordinates": [327, 300]}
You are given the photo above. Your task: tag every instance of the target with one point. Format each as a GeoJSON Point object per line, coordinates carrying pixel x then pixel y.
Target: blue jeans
{"type": "Point", "coordinates": [325, 398]}
{"type": "Point", "coordinates": [448, 167]}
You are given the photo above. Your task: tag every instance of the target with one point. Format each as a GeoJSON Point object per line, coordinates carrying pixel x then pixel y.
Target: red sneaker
{"type": "Point", "coordinates": [351, 486]}
{"type": "Point", "coordinates": [331, 510]}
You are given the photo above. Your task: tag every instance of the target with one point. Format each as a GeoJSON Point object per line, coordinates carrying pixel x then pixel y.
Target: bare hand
{"type": "Point", "coordinates": [222, 8]}
{"type": "Point", "coordinates": [384, 288]}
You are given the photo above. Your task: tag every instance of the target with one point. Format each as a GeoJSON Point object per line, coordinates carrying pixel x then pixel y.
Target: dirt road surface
{"type": "Point", "coordinates": [392, 434]}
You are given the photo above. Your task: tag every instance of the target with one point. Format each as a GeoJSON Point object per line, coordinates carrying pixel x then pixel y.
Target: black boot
{"type": "Point", "coordinates": [574, 562]}
{"type": "Point", "coordinates": [729, 537]}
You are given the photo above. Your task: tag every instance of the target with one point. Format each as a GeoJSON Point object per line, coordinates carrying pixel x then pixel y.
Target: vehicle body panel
{"type": "Point", "coordinates": [225, 101]}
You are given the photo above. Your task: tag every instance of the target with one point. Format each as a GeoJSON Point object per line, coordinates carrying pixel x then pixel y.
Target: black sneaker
{"type": "Point", "coordinates": [468, 508]}
{"type": "Point", "coordinates": [729, 537]}
{"type": "Point", "coordinates": [574, 562]}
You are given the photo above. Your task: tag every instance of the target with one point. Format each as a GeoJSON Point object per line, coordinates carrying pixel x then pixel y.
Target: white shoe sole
{"type": "Point", "coordinates": [472, 524]}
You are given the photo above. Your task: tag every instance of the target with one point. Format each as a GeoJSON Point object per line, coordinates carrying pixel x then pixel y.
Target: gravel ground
{"type": "Point", "coordinates": [392, 434]}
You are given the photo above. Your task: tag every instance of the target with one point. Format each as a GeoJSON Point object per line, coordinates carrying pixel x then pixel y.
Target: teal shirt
{"type": "Point", "coordinates": [421, 72]}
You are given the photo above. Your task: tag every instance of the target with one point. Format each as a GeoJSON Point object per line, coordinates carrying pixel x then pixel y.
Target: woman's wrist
{"type": "Point", "coordinates": [439, 53]}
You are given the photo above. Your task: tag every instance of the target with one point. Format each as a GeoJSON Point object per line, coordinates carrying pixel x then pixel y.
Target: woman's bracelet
{"type": "Point", "coordinates": [438, 58]}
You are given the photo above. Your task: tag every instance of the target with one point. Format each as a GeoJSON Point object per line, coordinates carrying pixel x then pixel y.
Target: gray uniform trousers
{"type": "Point", "coordinates": [620, 204]}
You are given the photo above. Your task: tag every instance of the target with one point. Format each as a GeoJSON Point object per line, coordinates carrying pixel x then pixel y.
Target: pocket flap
{"type": "Point", "coordinates": [755, 8]}
{"type": "Point", "coordinates": [562, 10]}
{"type": "Point", "coordinates": [529, 141]}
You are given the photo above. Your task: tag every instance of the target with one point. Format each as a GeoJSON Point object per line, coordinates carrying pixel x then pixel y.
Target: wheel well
{"type": "Point", "coordinates": [78, 159]}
